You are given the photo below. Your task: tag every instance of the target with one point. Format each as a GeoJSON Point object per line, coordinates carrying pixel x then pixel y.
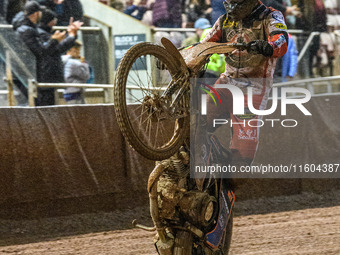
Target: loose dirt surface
{"type": "Point", "coordinates": [301, 224]}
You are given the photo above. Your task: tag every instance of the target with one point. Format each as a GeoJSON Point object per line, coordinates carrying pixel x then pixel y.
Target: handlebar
{"type": "Point", "coordinates": [240, 46]}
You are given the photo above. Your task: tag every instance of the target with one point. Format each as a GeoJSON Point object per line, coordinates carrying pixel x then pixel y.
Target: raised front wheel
{"type": "Point", "coordinates": [146, 118]}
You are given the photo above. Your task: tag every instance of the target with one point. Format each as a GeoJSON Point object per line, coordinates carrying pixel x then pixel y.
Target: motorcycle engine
{"type": "Point", "coordinates": [177, 203]}
{"type": "Point", "coordinates": [171, 187]}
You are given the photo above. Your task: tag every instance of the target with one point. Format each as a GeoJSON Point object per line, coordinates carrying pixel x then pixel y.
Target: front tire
{"type": "Point", "coordinates": [139, 85]}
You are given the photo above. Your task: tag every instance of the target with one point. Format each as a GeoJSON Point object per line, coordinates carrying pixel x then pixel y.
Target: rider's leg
{"type": "Point", "coordinates": [243, 145]}
{"type": "Point", "coordinates": [245, 128]}
{"type": "Point", "coordinates": [246, 134]}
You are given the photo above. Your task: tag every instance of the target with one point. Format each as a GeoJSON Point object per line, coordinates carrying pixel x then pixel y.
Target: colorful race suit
{"type": "Point", "coordinates": [246, 69]}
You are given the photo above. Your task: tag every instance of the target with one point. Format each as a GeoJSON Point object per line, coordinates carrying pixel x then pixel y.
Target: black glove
{"type": "Point", "coordinates": [260, 47]}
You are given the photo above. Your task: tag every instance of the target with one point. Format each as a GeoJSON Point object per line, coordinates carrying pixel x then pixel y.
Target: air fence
{"type": "Point", "coordinates": [54, 160]}
{"type": "Point", "coordinates": [75, 155]}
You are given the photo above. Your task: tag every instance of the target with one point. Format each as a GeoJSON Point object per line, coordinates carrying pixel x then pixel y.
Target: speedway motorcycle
{"type": "Point", "coordinates": [152, 104]}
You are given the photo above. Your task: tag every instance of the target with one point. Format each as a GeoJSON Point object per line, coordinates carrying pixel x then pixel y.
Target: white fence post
{"type": "Point", "coordinates": [32, 91]}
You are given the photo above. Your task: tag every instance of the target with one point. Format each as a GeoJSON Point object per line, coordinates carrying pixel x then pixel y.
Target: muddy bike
{"type": "Point", "coordinates": [152, 94]}
{"type": "Point", "coordinates": [152, 104]}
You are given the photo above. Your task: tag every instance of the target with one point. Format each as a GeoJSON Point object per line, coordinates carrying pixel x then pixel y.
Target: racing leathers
{"type": "Point", "coordinates": [265, 31]}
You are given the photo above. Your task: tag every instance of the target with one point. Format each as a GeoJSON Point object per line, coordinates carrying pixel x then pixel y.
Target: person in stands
{"type": "Point", "coordinates": [76, 70]}
{"type": "Point", "coordinates": [28, 31]}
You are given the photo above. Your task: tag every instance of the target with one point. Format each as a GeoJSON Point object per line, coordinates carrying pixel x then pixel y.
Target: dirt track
{"type": "Point", "coordinates": [304, 231]}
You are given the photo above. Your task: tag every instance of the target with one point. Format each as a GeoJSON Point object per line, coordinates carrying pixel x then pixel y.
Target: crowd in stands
{"type": "Point", "coordinates": [307, 15]}
{"type": "Point", "coordinates": [63, 8]}
{"type": "Point", "coordinates": [33, 21]}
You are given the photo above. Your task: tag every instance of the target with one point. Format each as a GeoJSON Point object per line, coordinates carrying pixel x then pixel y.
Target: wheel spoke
{"type": "Point", "coordinates": [140, 80]}
{"type": "Point", "coordinates": [150, 127]}
{"type": "Point", "coordinates": [156, 133]}
{"type": "Point", "coordinates": [137, 100]}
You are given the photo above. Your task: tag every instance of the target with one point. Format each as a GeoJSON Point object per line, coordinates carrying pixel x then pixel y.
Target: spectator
{"type": "Point", "coordinates": [175, 37]}
{"type": "Point", "coordinates": [196, 9]}
{"type": "Point", "coordinates": [18, 20]}
{"type": "Point", "coordinates": [50, 4]}
{"type": "Point", "coordinates": [317, 21]}
{"type": "Point", "coordinates": [202, 25]}
{"type": "Point", "coordinates": [65, 9]}
{"type": "Point", "coordinates": [147, 17]}
{"type": "Point", "coordinates": [331, 40]}
{"type": "Point", "coordinates": [14, 7]}
{"type": "Point", "coordinates": [53, 67]}
{"type": "Point", "coordinates": [47, 21]}
{"type": "Point", "coordinates": [3, 11]}
{"type": "Point", "coordinates": [289, 60]}
{"type": "Point", "coordinates": [69, 9]}
{"type": "Point", "coordinates": [167, 13]}
{"type": "Point", "coordinates": [291, 19]}
{"type": "Point", "coordinates": [140, 9]}
{"type": "Point", "coordinates": [333, 14]}
{"type": "Point", "coordinates": [281, 6]}
{"type": "Point", "coordinates": [19, 15]}
{"type": "Point", "coordinates": [76, 70]}
{"type": "Point", "coordinates": [29, 33]}
{"type": "Point", "coordinates": [117, 4]}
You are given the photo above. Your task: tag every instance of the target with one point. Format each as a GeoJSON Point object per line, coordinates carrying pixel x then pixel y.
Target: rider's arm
{"type": "Point", "coordinates": [277, 43]}
{"type": "Point", "coordinates": [278, 36]}
{"type": "Point", "coordinates": [215, 34]}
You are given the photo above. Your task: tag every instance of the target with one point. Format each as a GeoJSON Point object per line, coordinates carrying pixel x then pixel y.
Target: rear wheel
{"type": "Point", "coordinates": [228, 235]}
{"type": "Point", "coordinates": [213, 188]}
{"type": "Point", "coordinates": [225, 246]}
{"type": "Point", "coordinates": [143, 114]}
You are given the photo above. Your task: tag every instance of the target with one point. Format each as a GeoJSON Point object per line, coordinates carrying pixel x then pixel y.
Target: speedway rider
{"type": "Point", "coordinates": [264, 32]}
